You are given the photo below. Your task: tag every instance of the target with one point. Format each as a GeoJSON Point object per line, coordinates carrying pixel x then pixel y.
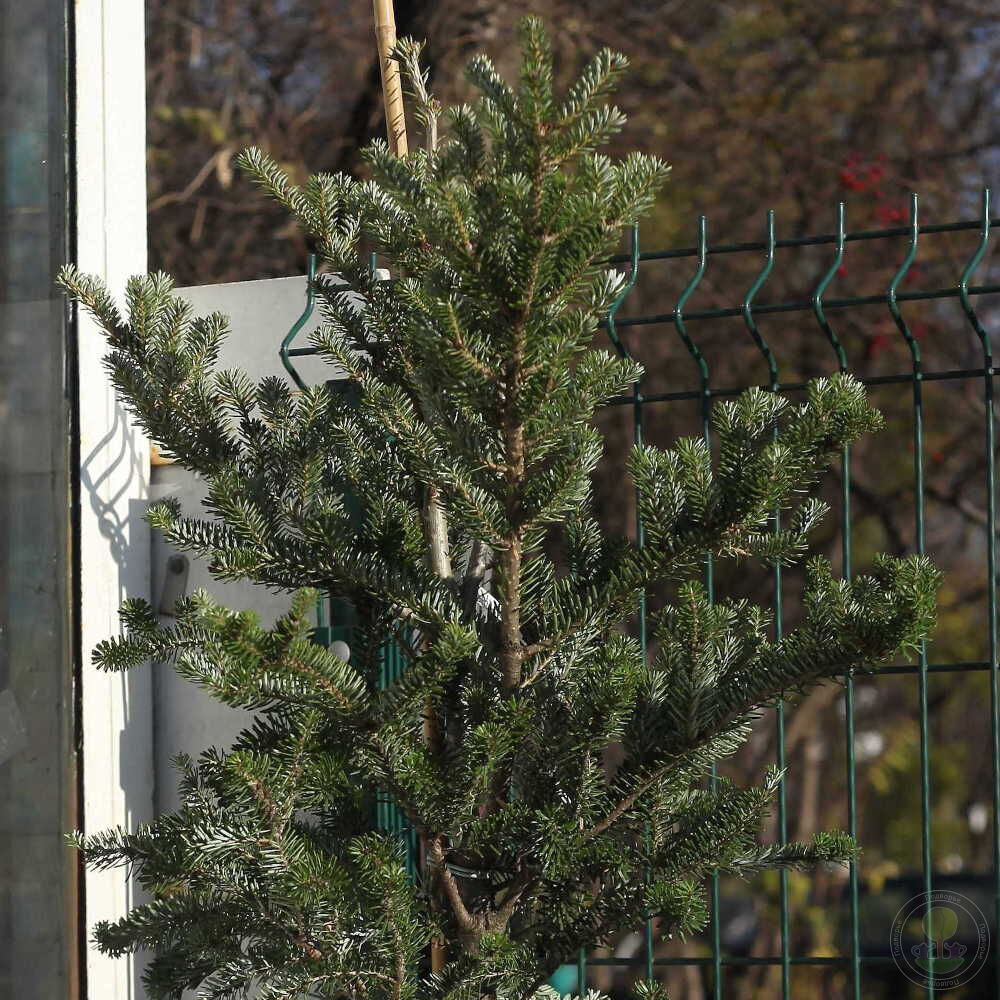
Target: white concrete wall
{"type": "Point", "coordinates": [114, 543]}
{"type": "Point", "coordinates": [185, 717]}
{"type": "Point", "coordinates": [260, 315]}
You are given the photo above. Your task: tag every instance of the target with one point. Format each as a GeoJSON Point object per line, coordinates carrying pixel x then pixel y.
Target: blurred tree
{"type": "Point", "coordinates": [777, 104]}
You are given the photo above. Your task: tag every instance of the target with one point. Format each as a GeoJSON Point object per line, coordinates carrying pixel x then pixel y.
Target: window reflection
{"type": "Point", "coordinates": [37, 789]}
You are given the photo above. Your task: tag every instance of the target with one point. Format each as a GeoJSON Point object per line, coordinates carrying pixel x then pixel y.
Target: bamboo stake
{"type": "Point", "coordinates": [392, 89]}
{"type": "Point", "coordinates": [395, 124]}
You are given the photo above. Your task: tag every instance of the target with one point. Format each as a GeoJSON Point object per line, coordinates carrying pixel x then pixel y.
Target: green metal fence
{"type": "Point", "coordinates": [821, 311]}
{"type": "Point", "coordinates": [854, 965]}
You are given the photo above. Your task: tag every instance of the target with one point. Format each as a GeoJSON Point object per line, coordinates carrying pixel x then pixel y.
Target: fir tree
{"type": "Point", "coordinates": [427, 498]}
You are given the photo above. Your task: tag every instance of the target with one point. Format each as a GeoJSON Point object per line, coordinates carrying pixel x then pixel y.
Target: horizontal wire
{"type": "Point", "coordinates": [655, 319]}
{"type": "Point", "coordinates": [801, 241]}
{"type": "Point", "coordinates": [669, 397]}
{"type": "Point", "coordinates": [777, 307]}
{"type": "Point", "coordinates": [913, 668]}
{"type": "Point", "coordinates": [782, 307]}
{"type": "Point", "coordinates": [738, 960]}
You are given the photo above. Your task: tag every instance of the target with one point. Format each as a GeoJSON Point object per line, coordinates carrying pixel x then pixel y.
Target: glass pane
{"type": "Point", "coordinates": [38, 938]}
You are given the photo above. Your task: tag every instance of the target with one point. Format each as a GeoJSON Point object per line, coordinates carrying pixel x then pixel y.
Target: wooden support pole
{"type": "Point", "coordinates": [392, 89]}
{"type": "Point", "coordinates": [395, 125]}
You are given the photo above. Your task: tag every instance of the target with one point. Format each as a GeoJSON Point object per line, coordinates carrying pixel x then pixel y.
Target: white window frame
{"type": "Point", "coordinates": [110, 174]}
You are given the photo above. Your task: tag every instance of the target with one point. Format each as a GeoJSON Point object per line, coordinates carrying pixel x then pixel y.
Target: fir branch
{"type": "Point", "coordinates": [457, 447]}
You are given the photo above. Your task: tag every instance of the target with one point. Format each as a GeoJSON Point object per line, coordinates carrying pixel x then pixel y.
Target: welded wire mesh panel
{"type": "Point", "coordinates": [905, 757]}
{"type": "Point", "coordinates": [335, 625]}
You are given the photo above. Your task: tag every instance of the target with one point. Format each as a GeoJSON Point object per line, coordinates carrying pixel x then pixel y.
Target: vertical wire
{"type": "Point", "coordinates": [991, 541]}
{"type": "Point", "coordinates": [918, 477]}
{"type": "Point", "coordinates": [390, 818]}
{"type": "Point", "coordinates": [640, 539]}
{"type": "Point", "coordinates": [772, 369]}
{"type": "Point", "coordinates": [845, 508]}
{"type": "Point", "coordinates": [321, 628]}
{"type": "Point", "coordinates": [286, 343]}
{"type": "Point", "coordinates": [852, 789]}
{"type": "Point", "coordinates": [637, 437]}
{"type": "Point", "coordinates": [321, 620]}
{"type": "Point", "coordinates": [706, 415]}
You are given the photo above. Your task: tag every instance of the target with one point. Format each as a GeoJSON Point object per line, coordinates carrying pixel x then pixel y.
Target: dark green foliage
{"type": "Point", "coordinates": [426, 503]}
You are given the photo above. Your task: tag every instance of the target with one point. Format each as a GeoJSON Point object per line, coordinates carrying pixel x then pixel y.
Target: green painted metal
{"type": "Point", "coordinates": [706, 415]}
{"type": "Point", "coordinates": [335, 618]}
{"type": "Point", "coordinates": [284, 352]}
{"type": "Point", "coordinates": [918, 482]}
{"type": "Point", "coordinates": [389, 816]}
{"type": "Point", "coordinates": [633, 274]}
{"type": "Point", "coordinates": [633, 259]}
{"type": "Point", "coordinates": [648, 937]}
{"type": "Point", "coordinates": [747, 310]}
{"type": "Point", "coordinates": [824, 283]}
{"type": "Point", "coordinates": [854, 962]}
{"type": "Point", "coordinates": [716, 962]}
{"type": "Point", "coordinates": [779, 709]}
{"type": "Point", "coordinates": [845, 520]}
{"type": "Point", "coordinates": [991, 539]}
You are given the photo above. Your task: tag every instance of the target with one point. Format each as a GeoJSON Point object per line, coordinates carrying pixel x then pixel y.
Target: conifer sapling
{"type": "Point", "coordinates": [427, 498]}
